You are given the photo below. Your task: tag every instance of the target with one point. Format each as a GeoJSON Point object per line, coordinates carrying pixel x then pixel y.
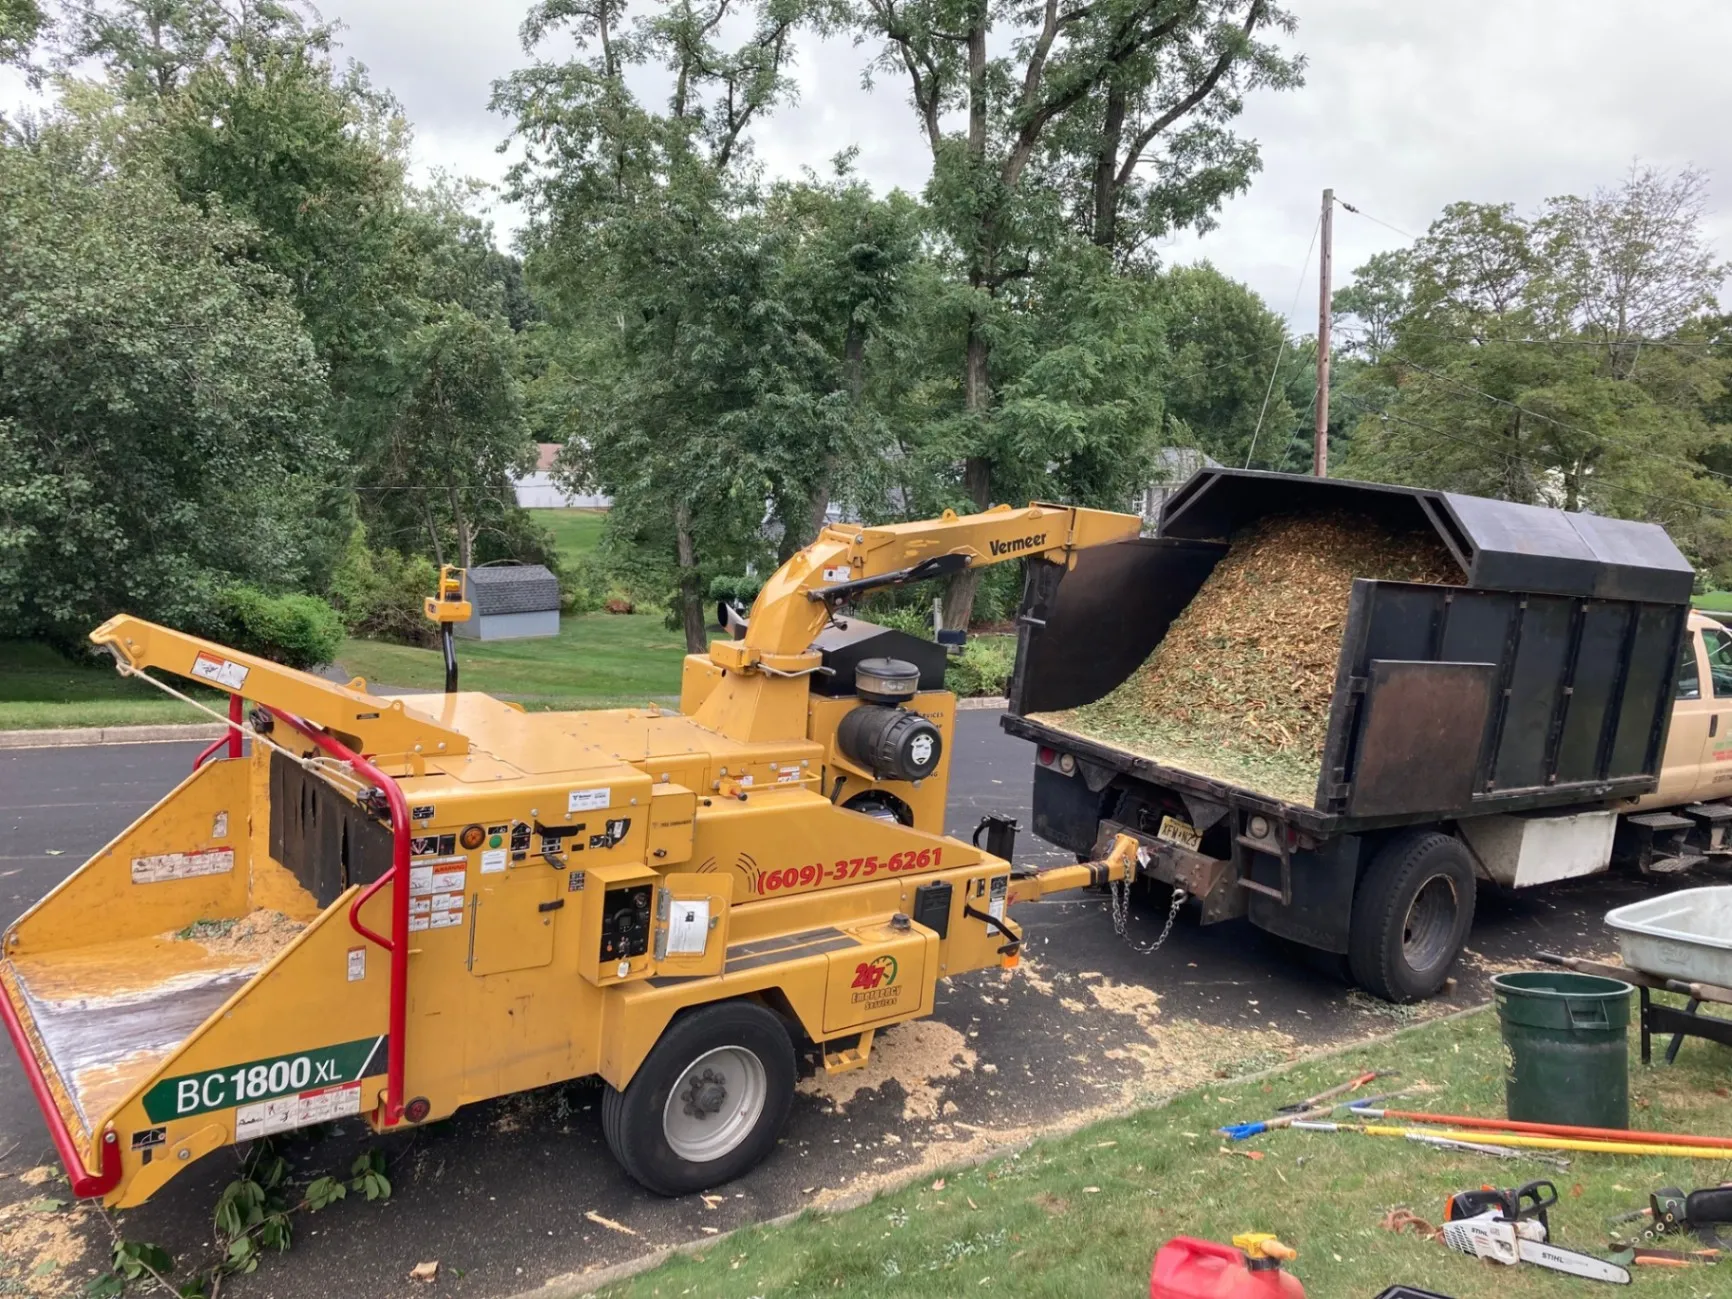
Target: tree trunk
{"type": "Point", "coordinates": [465, 535]}
{"type": "Point", "coordinates": [1107, 170]}
{"type": "Point", "coordinates": [976, 391]}
{"type": "Point", "coordinates": [959, 592]}
{"type": "Point", "coordinates": [691, 598]}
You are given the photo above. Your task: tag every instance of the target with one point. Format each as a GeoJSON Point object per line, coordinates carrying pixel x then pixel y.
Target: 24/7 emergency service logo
{"type": "Point", "coordinates": [875, 986]}
{"type": "Point", "coordinates": [877, 973]}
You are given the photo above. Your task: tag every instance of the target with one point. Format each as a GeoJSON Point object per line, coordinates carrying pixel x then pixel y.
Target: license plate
{"type": "Point", "coordinates": [1176, 831]}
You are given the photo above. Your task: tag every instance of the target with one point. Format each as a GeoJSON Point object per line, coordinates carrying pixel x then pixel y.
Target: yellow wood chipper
{"type": "Point", "coordinates": [393, 907]}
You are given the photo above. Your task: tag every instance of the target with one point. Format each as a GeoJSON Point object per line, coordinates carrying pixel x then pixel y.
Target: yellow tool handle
{"type": "Point", "coordinates": [1556, 1143]}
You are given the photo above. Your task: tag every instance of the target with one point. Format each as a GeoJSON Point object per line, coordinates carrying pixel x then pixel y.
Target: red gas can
{"type": "Point", "coordinates": [1188, 1268]}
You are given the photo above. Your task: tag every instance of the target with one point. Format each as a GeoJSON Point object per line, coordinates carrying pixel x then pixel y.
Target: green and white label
{"type": "Point", "coordinates": [263, 1080]}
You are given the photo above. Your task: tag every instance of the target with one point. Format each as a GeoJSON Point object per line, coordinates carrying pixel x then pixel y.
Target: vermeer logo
{"type": "Point", "coordinates": [1016, 545]}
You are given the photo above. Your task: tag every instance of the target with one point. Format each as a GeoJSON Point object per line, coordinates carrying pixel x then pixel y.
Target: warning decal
{"type": "Point", "coordinates": [320, 1105]}
{"type": "Point", "coordinates": [208, 667]}
{"type": "Point", "coordinates": [182, 865]}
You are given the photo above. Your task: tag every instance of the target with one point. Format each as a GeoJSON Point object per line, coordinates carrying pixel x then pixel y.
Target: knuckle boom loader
{"type": "Point", "coordinates": [393, 907]}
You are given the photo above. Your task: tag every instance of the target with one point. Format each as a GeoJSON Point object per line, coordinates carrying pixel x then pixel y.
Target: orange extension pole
{"type": "Point", "coordinates": [1549, 1129]}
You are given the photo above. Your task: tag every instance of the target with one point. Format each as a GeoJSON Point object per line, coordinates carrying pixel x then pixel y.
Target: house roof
{"type": "Point", "coordinates": [512, 588]}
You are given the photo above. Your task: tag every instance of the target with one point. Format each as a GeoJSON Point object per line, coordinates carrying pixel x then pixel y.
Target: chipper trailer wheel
{"type": "Point", "coordinates": [1411, 916]}
{"type": "Point", "coordinates": [708, 1102]}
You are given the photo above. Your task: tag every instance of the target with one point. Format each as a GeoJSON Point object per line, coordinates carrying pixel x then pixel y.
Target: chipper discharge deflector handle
{"type": "Point", "coordinates": [390, 908]}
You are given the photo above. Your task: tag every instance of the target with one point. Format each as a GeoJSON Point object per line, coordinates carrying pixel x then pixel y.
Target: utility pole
{"type": "Point", "coordinates": [1320, 436]}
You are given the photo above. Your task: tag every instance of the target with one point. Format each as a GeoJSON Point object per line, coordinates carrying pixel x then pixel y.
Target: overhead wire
{"type": "Point", "coordinates": [1360, 212]}
{"type": "Point", "coordinates": [1281, 351]}
{"type": "Point", "coordinates": [1518, 456]}
{"type": "Point", "coordinates": [1604, 439]}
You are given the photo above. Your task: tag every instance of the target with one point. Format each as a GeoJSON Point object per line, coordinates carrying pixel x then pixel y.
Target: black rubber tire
{"type": "Point", "coordinates": [1395, 950]}
{"type": "Point", "coordinates": [631, 1119]}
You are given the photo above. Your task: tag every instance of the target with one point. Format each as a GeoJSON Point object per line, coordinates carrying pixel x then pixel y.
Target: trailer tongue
{"type": "Point", "coordinates": [1471, 728]}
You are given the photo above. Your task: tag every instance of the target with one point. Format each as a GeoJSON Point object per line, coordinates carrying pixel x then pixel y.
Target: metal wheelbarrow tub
{"type": "Point", "coordinates": [1685, 935]}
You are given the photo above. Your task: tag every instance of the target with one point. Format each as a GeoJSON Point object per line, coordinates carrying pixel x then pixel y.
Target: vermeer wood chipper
{"type": "Point", "coordinates": [394, 907]}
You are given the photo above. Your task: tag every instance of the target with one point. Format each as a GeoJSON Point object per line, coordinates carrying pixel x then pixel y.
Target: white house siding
{"type": "Point", "coordinates": [538, 491]}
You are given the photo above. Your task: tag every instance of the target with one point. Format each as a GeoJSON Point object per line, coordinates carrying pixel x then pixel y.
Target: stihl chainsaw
{"type": "Point", "coordinates": [1511, 1227]}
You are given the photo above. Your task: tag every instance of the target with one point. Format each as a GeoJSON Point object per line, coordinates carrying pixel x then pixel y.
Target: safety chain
{"type": "Point", "coordinates": [330, 769]}
{"type": "Point", "coordinates": [1121, 909]}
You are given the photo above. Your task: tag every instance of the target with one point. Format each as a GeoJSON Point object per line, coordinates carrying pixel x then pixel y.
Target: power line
{"type": "Point", "coordinates": [1517, 456]}
{"type": "Point", "coordinates": [1601, 438]}
{"type": "Point", "coordinates": [1378, 220]}
{"type": "Point", "coordinates": [1281, 351]}
{"type": "Point", "coordinates": [1544, 342]}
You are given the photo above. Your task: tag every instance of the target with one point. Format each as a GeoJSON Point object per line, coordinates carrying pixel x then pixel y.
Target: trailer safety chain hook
{"type": "Point", "coordinates": [1121, 909]}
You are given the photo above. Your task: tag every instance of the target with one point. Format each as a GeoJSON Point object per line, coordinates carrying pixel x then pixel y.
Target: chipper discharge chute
{"type": "Point", "coordinates": [391, 908]}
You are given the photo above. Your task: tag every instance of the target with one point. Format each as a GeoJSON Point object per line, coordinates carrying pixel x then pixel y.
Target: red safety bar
{"type": "Point", "coordinates": [231, 736]}
{"type": "Point", "coordinates": [84, 1182]}
{"type": "Point", "coordinates": [398, 943]}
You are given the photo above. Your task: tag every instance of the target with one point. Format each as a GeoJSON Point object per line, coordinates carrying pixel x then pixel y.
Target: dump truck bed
{"type": "Point", "coordinates": [1544, 680]}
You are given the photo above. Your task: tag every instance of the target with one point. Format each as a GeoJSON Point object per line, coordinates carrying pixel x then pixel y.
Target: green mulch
{"type": "Point", "coordinates": [1083, 1215]}
{"type": "Point", "coordinates": [1240, 687]}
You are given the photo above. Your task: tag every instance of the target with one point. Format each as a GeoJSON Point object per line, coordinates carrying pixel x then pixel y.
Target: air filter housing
{"type": "Point", "coordinates": [886, 681]}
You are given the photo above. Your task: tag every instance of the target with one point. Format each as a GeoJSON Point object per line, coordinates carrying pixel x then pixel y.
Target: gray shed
{"type": "Point", "coordinates": [512, 602]}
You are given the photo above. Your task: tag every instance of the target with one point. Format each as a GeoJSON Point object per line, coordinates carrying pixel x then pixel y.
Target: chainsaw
{"type": "Point", "coordinates": [1512, 1226]}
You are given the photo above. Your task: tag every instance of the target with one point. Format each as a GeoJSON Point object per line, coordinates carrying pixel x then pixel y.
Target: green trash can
{"type": "Point", "coordinates": [1565, 1048]}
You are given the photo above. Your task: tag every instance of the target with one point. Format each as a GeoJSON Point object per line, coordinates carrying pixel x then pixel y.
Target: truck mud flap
{"type": "Point", "coordinates": [1323, 883]}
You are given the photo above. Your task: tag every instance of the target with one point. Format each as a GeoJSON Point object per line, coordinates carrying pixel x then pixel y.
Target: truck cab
{"type": "Point", "coordinates": [1698, 756]}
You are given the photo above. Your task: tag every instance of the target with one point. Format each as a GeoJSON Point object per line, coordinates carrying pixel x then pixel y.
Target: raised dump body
{"type": "Point", "coordinates": [1535, 669]}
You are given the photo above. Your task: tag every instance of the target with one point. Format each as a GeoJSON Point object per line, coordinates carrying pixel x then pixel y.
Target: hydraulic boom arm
{"type": "Point", "coordinates": [364, 722]}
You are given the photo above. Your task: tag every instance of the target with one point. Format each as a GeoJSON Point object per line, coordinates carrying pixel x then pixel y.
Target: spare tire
{"type": "Point", "coordinates": [1411, 915]}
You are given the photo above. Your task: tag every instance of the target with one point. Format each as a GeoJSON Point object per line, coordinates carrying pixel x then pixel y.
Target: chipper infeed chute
{"type": "Point", "coordinates": [186, 988]}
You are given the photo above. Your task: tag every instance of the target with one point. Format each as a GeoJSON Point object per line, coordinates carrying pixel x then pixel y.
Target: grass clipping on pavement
{"type": "Point", "coordinates": [1240, 686]}
{"type": "Point", "coordinates": [1083, 1215]}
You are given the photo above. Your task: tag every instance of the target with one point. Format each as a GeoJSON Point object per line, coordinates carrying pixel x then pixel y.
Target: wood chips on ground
{"type": "Point", "coordinates": [1240, 687]}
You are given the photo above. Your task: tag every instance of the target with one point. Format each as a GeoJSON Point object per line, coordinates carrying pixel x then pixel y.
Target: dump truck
{"type": "Point", "coordinates": [388, 908]}
{"type": "Point", "coordinates": [1555, 708]}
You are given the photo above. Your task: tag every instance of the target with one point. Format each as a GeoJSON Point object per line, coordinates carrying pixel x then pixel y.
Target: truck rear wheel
{"type": "Point", "coordinates": [708, 1102]}
{"type": "Point", "coordinates": [1411, 916]}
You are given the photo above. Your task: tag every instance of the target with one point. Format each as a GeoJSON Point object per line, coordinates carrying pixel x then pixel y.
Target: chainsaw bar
{"type": "Point", "coordinates": [1501, 1241]}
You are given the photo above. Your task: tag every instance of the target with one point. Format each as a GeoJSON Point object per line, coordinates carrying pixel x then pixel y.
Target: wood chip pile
{"type": "Point", "coordinates": [1240, 687]}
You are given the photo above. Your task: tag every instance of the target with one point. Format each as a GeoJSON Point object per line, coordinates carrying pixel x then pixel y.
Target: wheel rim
{"type": "Point", "coordinates": [1430, 923]}
{"type": "Point", "coordinates": [715, 1104]}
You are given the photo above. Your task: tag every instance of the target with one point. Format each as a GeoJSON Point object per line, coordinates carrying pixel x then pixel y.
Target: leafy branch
{"type": "Point", "coordinates": [254, 1214]}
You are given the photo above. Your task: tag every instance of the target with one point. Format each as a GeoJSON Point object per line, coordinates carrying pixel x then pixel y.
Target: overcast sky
{"type": "Point", "coordinates": [1407, 106]}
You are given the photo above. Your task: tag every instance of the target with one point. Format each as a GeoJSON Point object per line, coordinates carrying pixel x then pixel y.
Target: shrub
{"type": "Point", "coordinates": [581, 588]}
{"type": "Point", "coordinates": [301, 631]}
{"type": "Point", "coordinates": [983, 667]}
{"type": "Point", "coordinates": [379, 593]}
{"type": "Point", "coordinates": [913, 619]}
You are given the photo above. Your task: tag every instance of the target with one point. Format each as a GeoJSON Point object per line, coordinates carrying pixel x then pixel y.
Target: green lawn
{"type": "Point", "coordinates": [1711, 601]}
{"type": "Point", "coordinates": [1084, 1215]}
{"type": "Point", "coordinates": [575, 532]}
{"type": "Point", "coordinates": [40, 688]}
{"type": "Point", "coordinates": [598, 660]}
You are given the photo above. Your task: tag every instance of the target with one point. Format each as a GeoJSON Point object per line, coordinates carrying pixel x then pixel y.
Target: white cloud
{"type": "Point", "coordinates": [1407, 107]}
